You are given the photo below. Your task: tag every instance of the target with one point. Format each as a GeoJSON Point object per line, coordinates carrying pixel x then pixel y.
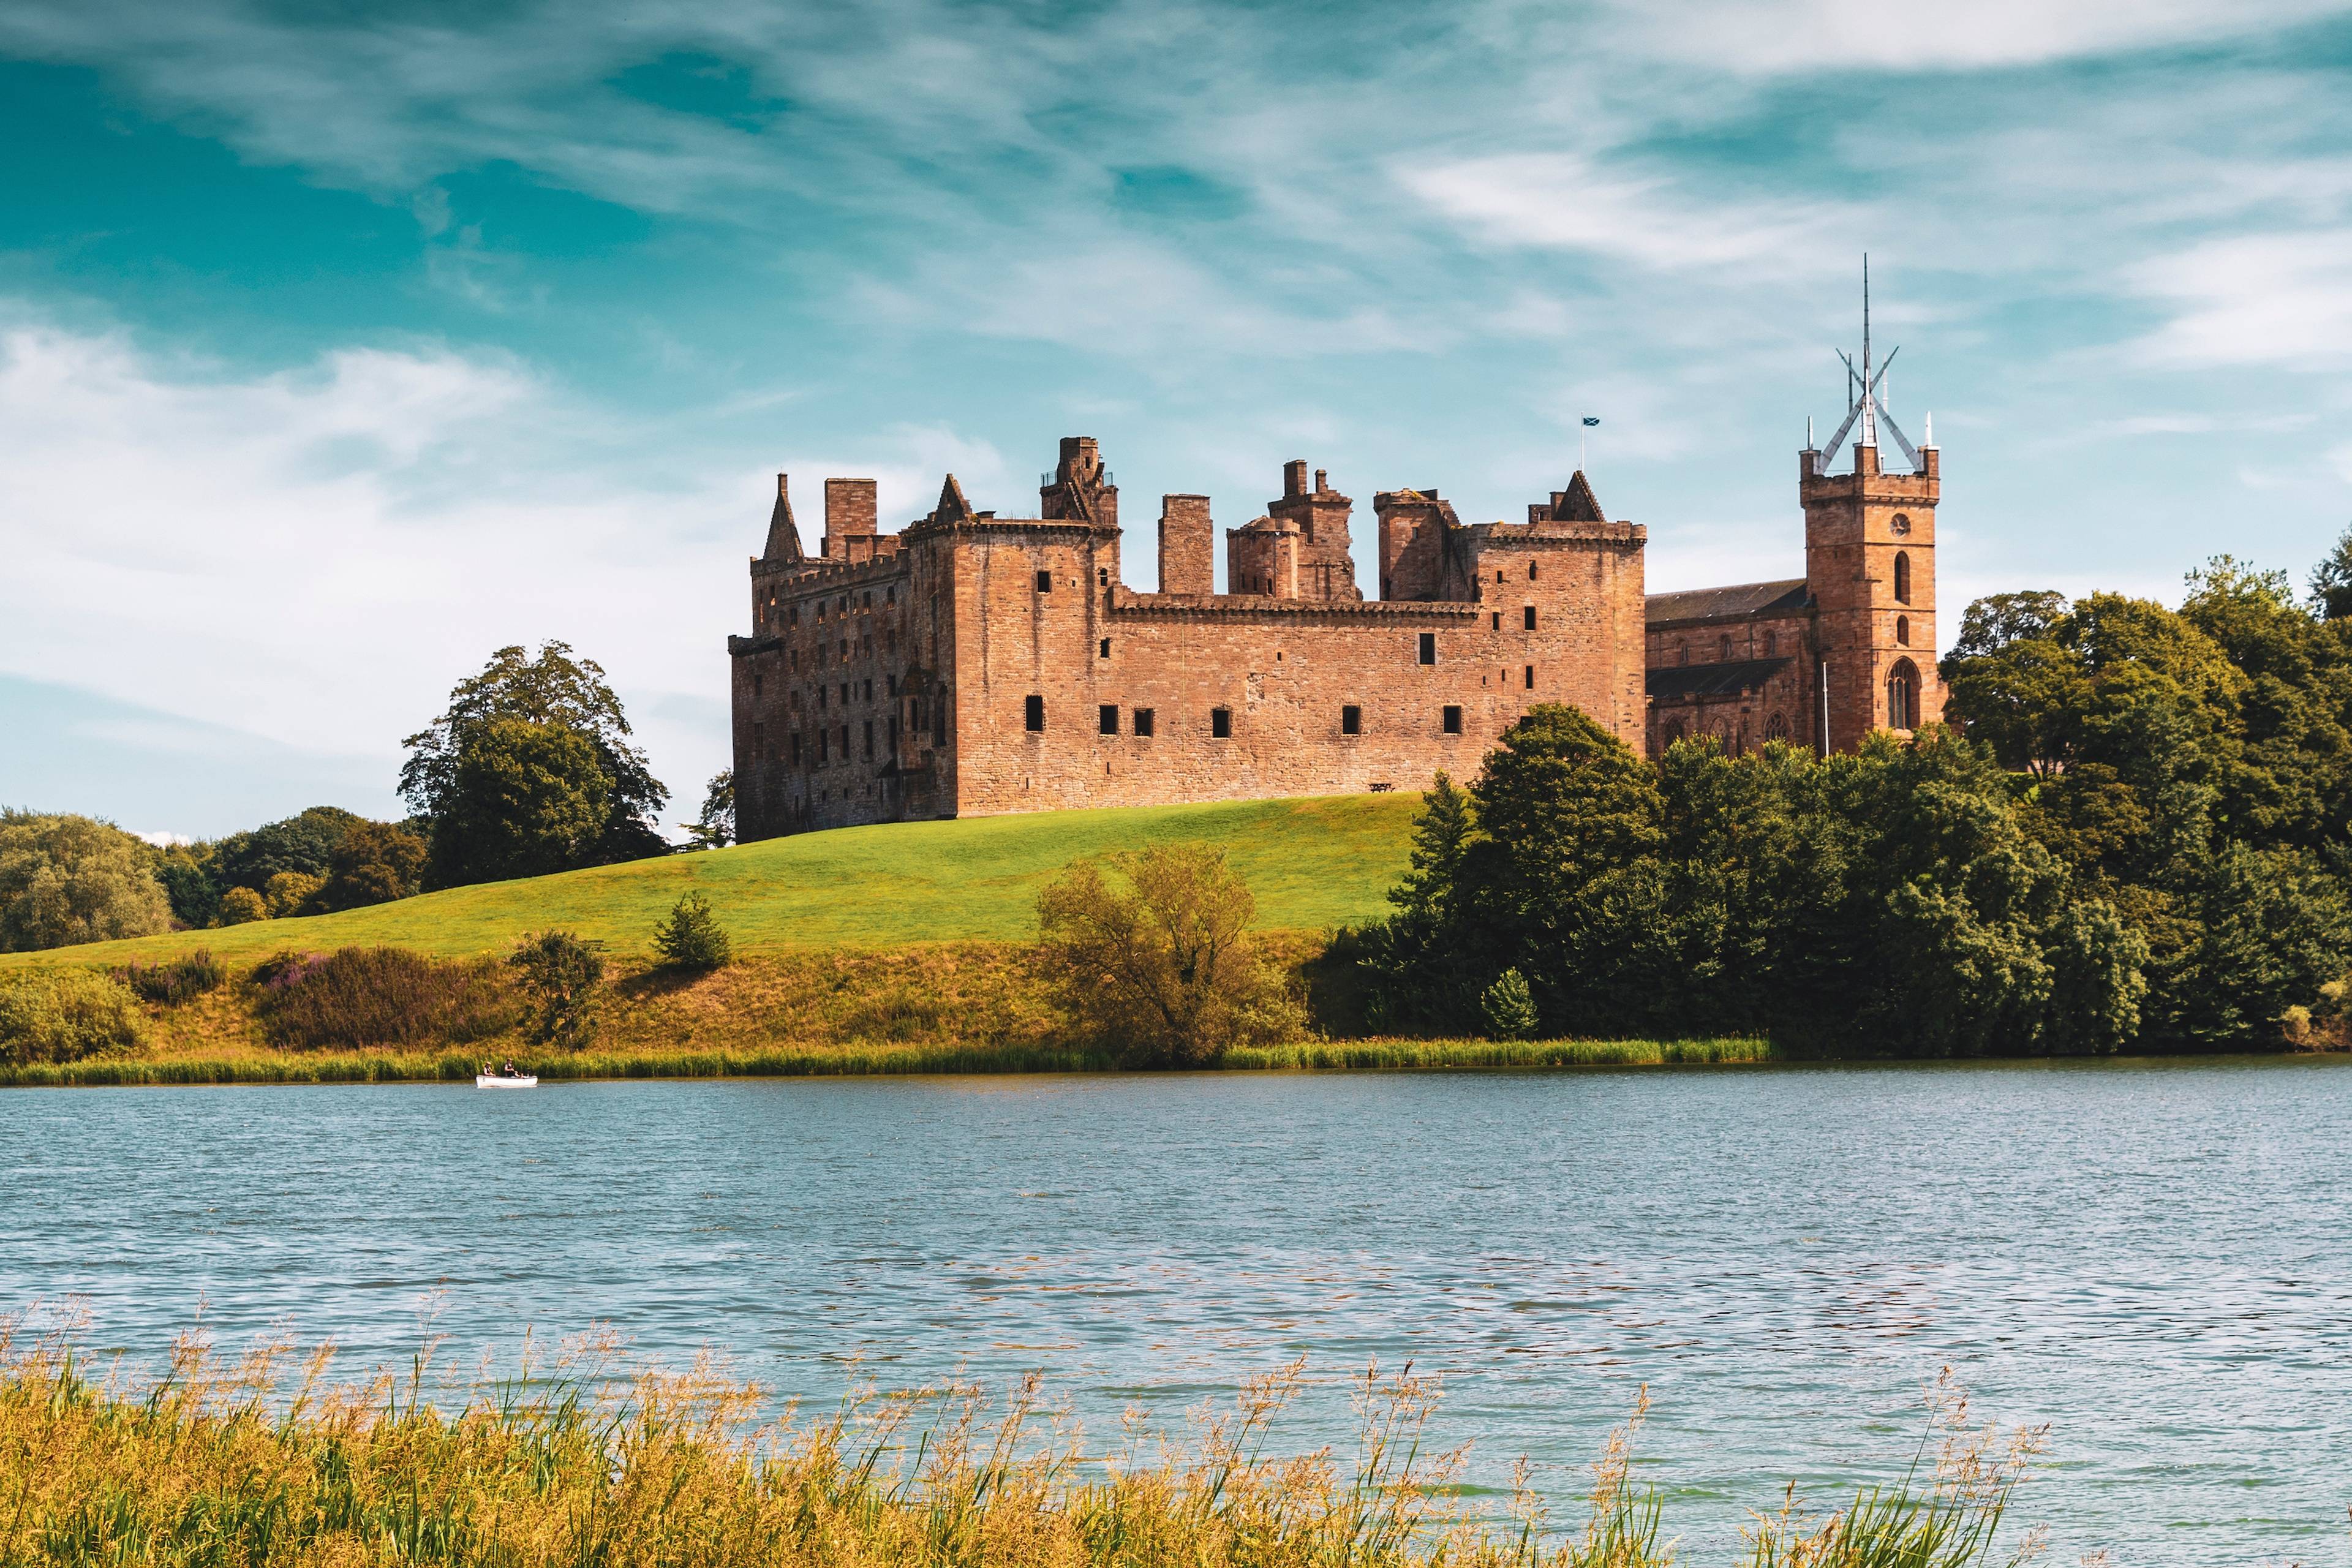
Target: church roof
{"type": "Point", "coordinates": [1741, 599]}
{"type": "Point", "coordinates": [1714, 679]}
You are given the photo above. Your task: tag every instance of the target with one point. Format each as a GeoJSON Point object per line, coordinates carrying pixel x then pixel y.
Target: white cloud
{"type": "Point", "coordinates": [2253, 300]}
{"type": "Point", "coordinates": [314, 556]}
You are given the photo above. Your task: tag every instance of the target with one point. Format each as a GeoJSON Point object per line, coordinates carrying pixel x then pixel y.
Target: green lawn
{"type": "Point", "coordinates": [1311, 863]}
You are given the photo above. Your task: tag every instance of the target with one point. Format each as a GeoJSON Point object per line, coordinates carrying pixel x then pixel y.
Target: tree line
{"type": "Point", "coordinates": [530, 769]}
{"type": "Point", "coordinates": [2134, 830]}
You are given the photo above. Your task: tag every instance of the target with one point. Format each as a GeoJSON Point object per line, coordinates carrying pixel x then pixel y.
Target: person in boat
{"type": "Point", "coordinates": [511, 1070]}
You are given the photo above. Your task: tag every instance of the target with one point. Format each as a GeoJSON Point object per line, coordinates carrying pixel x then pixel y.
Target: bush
{"type": "Point", "coordinates": [562, 980]}
{"type": "Point", "coordinates": [692, 937]}
{"type": "Point", "coordinates": [241, 906]}
{"type": "Point", "coordinates": [1509, 1007]}
{"type": "Point", "coordinates": [1162, 969]}
{"type": "Point", "coordinates": [68, 879]}
{"type": "Point", "coordinates": [290, 891]}
{"type": "Point", "coordinates": [173, 981]}
{"type": "Point", "coordinates": [378, 996]}
{"type": "Point", "coordinates": [63, 1016]}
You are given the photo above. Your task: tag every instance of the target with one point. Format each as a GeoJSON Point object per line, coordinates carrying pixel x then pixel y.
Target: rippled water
{"type": "Point", "coordinates": [2154, 1258]}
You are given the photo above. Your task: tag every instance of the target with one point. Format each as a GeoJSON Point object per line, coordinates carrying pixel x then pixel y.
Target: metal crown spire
{"type": "Point", "coordinates": [1866, 392]}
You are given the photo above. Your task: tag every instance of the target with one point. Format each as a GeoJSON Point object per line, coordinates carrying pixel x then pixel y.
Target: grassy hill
{"type": "Point", "coordinates": [1311, 864]}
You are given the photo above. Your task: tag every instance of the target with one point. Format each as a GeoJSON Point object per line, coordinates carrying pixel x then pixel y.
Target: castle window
{"type": "Point", "coordinates": [890, 685]}
{"type": "Point", "coordinates": [1682, 655]}
{"type": "Point", "coordinates": [820, 609]}
{"type": "Point", "coordinates": [869, 690]}
{"type": "Point", "coordinates": [1221, 723]}
{"type": "Point", "coordinates": [793, 616]}
{"type": "Point", "coordinates": [1902, 576]}
{"type": "Point", "coordinates": [1045, 582]}
{"type": "Point", "coordinates": [1528, 617]}
{"type": "Point", "coordinates": [1104, 651]}
{"type": "Point", "coordinates": [1531, 570]}
{"type": "Point", "coordinates": [845, 650]}
{"type": "Point", "coordinates": [824, 749]}
{"type": "Point", "coordinates": [1903, 630]}
{"type": "Point", "coordinates": [845, 743]}
{"type": "Point", "coordinates": [845, 694]}
{"type": "Point", "coordinates": [1723, 648]}
{"type": "Point", "coordinates": [869, 739]}
{"type": "Point", "coordinates": [760, 741]}
{"type": "Point", "coordinates": [1388, 588]}
{"type": "Point", "coordinates": [1352, 720]}
{"type": "Point", "coordinates": [865, 600]}
{"type": "Point", "coordinates": [1672, 733]}
{"type": "Point", "coordinates": [1776, 728]}
{"type": "Point", "coordinates": [1102, 576]}
{"type": "Point", "coordinates": [759, 683]}
{"type": "Point", "coordinates": [1033, 713]}
{"type": "Point", "coordinates": [1498, 620]}
{"type": "Point", "coordinates": [1429, 647]}
{"type": "Point", "coordinates": [1107, 718]}
{"type": "Point", "coordinates": [890, 595]}
{"type": "Point", "coordinates": [796, 749]}
{"type": "Point", "coordinates": [1453, 721]}
{"type": "Point", "coordinates": [1903, 696]}
{"type": "Point", "coordinates": [823, 696]}
{"type": "Point", "coordinates": [1771, 643]}
{"type": "Point", "coordinates": [940, 722]}
{"type": "Point", "coordinates": [1531, 677]}
{"type": "Point", "coordinates": [1143, 718]}
{"type": "Point", "coordinates": [1498, 573]}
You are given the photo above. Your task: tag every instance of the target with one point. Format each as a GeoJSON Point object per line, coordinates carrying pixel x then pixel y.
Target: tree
{"type": "Point", "coordinates": [1155, 958]}
{"type": "Point", "coordinates": [692, 937]}
{"type": "Point", "coordinates": [562, 979]}
{"type": "Point", "coordinates": [715, 828]}
{"type": "Point", "coordinates": [522, 799]}
{"type": "Point", "coordinates": [67, 879]}
{"type": "Point", "coordinates": [554, 690]}
{"type": "Point", "coordinates": [375, 863]}
{"type": "Point", "coordinates": [2331, 581]}
{"type": "Point", "coordinates": [188, 884]}
{"type": "Point", "coordinates": [65, 1015]}
{"type": "Point", "coordinates": [241, 906]}
{"type": "Point", "coordinates": [1509, 1007]}
{"type": "Point", "coordinates": [290, 892]}
{"type": "Point", "coordinates": [303, 844]}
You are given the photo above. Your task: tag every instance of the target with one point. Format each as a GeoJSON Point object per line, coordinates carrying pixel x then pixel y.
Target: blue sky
{"type": "Point", "coordinates": [341, 343]}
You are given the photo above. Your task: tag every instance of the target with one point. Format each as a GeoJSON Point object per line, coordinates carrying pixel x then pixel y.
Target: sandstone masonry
{"type": "Point", "coordinates": [969, 664]}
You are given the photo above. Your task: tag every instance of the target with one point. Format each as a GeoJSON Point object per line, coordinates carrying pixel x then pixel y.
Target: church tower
{"type": "Point", "coordinates": [1870, 565]}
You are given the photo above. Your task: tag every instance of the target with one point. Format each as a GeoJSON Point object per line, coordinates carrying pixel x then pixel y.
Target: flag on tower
{"type": "Point", "coordinates": [1591, 421]}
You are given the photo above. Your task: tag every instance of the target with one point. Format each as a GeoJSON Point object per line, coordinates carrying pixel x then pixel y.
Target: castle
{"type": "Point", "coordinates": [970, 664]}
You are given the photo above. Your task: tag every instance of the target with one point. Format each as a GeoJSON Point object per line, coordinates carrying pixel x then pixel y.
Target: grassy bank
{"type": "Point", "coordinates": [1311, 864]}
{"type": "Point", "coordinates": [564, 1468]}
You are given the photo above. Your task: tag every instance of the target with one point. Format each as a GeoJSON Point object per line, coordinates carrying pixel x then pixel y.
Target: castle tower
{"type": "Point", "coordinates": [1870, 565]}
{"type": "Point", "coordinates": [1325, 569]}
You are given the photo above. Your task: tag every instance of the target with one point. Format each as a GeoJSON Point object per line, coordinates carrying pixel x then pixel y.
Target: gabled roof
{"type": "Point", "coordinates": [1740, 599]}
{"type": "Point", "coordinates": [783, 547]}
{"type": "Point", "coordinates": [952, 506]}
{"type": "Point", "coordinates": [1578, 503]}
{"type": "Point", "coordinates": [1714, 679]}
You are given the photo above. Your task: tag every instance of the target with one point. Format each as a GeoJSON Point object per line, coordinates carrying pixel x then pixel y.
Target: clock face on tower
{"type": "Point", "coordinates": [1901, 525]}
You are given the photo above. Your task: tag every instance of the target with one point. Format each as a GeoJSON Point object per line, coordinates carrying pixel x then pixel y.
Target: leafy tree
{"type": "Point", "coordinates": [1156, 959]}
{"type": "Point", "coordinates": [375, 863]}
{"type": "Point", "coordinates": [2331, 581]}
{"type": "Point", "coordinates": [692, 938]}
{"type": "Point", "coordinates": [522, 799]}
{"type": "Point", "coordinates": [290, 892]}
{"type": "Point", "coordinates": [65, 1015]}
{"type": "Point", "coordinates": [67, 879]}
{"type": "Point", "coordinates": [562, 980]}
{"type": "Point", "coordinates": [303, 844]}
{"type": "Point", "coordinates": [188, 884]}
{"type": "Point", "coordinates": [240, 906]}
{"type": "Point", "coordinates": [554, 692]}
{"type": "Point", "coordinates": [715, 828]}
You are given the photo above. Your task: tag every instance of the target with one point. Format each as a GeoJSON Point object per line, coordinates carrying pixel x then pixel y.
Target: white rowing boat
{"type": "Point", "coordinates": [500, 1080]}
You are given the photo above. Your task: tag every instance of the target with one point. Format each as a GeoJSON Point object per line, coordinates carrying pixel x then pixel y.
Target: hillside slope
{"type": "Point", "coordinates": [1311, 864]}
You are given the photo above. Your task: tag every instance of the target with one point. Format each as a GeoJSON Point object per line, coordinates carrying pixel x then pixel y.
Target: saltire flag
{"type": "Point", "coordinates": [1591, 421]}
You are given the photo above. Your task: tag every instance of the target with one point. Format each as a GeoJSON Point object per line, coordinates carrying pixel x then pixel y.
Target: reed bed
{"type": "Point", "coordinates": [230, 1064]}
{"type": "Point", "coordinates": [560, 1466]}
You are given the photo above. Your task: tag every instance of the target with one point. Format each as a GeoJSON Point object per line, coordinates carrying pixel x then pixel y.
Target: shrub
{"type": "Point", "coordinates": [1163, 968]}
{"type": "Point", "coordinates": [378, 996]}
{"type": "Point", "coordinates": [240, 906]}
{"type": "Point", "coordinates": [290, 891]}
{"type": "Point", "coordinates": [174, 980]}
{"type": "Point", "coordinates": [562, 980]}
{"type": "Point", "coordinates": [63, 1016]}
{"type": "Point", "coordinates": [692, 937]}
{"type": "Point", "coordinates": [67, 879]}
{"type": "Point", "coordinates": [1509, 1007]}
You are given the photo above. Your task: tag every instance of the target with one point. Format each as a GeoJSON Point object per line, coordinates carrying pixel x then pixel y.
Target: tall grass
{"type": "Point", "coordinates": [558, 1467]}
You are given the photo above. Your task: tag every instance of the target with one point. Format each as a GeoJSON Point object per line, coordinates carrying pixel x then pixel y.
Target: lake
{"type": "Point", "coordinates": [2153, 1257]}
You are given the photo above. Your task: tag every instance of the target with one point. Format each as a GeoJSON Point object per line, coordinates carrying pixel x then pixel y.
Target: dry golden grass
{"type": "Point", "coordinates": [560, 1466]}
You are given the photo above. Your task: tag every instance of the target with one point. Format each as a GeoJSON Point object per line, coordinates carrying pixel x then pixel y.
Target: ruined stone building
{"type": "Point", "coordinates": [969, 664]}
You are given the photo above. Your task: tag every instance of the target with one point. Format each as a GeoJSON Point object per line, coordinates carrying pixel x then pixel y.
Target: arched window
{"type": "Point", "coordinates": [1672, 731]}
{"type": "Point", "coordinates": [1902, 576]}
{"type": "Point", "coordinates": [1903, 696]}
{"type": "Point", "coordinates": [1771, 643]}
{"type": "Point", "coordinates": [1903, 630]}
{"type": "Point", "coordinates": [1723, 648]}
{"type": "Point", "coordinates": [1776, 728]}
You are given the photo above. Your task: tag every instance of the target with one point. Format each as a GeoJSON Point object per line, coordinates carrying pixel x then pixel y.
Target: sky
{"type": "Point", "coordinates": [341, 344]}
